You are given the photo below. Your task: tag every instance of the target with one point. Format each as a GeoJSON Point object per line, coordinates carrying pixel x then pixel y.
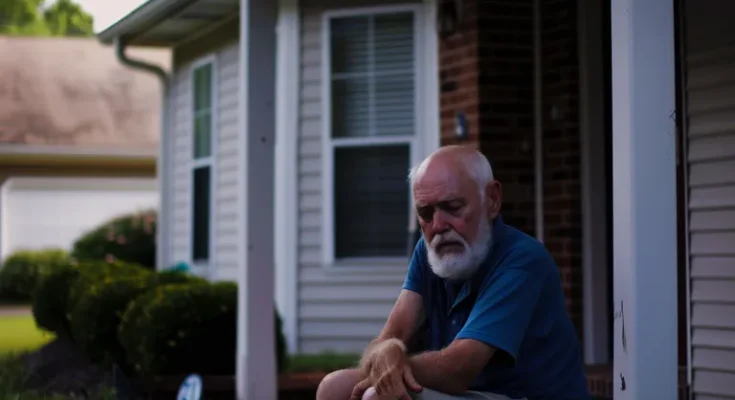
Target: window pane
{"type": "Point", "coordinates": [349, 44]}
{"type": "Point", "coordinates": [371, 201]}
{"type": "Point", "coordinates": [203, 135]}
{"type": "Point", "coordinates": [201, 217]}
{"type": "Point", "coordinates": [394, 104]}
{"type": "Point", "coordinates": [203, 87]}
{"type": "Point", "coordinates": [394, 47]}
{"type": "Point", "coordinates": [350, 108]}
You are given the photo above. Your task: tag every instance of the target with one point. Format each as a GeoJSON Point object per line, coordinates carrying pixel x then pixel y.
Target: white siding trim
{"type": "Point", "coordinates": [644, 200]}
{"type": "Point", "coordinates": [201, 267]}
{"type": "Point", "coordinates": [288, 72]}
{"type": "Point", "coordinates": [328, 143]}
{"type": "Point", "coordinates": [430, 123]}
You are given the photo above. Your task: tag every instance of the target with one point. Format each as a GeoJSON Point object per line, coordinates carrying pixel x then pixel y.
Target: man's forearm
{"type": "Point", "coordinates": [435, 371]}
{"type": "Point", "coordinates": [375, 345]}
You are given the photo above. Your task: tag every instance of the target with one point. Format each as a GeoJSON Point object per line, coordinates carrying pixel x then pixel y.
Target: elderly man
{"type": "Point", "coordinates": [489, 296]}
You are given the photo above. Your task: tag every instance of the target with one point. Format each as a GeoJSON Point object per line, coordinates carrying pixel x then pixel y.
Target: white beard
{"type": "Point", "coordinates": [460, 266]}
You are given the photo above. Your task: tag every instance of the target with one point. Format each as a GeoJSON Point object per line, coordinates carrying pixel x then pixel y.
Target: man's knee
{"type": "Point", "coordinates": [338, 385]}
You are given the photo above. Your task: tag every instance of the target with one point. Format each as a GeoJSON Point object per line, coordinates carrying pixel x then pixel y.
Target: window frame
{"type": "Point", "coordinates": [195, 163]}
{"type": "Point", "coordinates": [416, 141]}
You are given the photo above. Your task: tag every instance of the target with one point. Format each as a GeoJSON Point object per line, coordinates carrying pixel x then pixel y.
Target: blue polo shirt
{"type": "Point", "coordinates": [515, 303]}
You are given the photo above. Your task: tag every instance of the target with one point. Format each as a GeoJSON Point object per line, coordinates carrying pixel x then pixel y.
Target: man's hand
{"type": "Point", "coordinates": [388, 372]}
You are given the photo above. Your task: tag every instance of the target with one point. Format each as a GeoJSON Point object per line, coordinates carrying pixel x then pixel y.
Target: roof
{"type": "Point", "coordinates": [72, 92]}
{"type": "Point", "coordinates": [168, 22]}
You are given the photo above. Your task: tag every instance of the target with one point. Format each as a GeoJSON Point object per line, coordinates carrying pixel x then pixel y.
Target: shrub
{"type": "Point", "coordinates": [184, 328]}
{"type": "Point", "coordinates": [96, 315]}
{"type": "Point", "coordinates": [129, 238]}
{"type": "Point", "coordinates": [23, 270]}
{"type": "Point", "coordinates": [59, 291]}
{"type": "Point", "coordinates": [99, 298]}
{"type": "Point", "coordinates": [51, 298]}
{"type": "Point", "coordinates": [173, 277]}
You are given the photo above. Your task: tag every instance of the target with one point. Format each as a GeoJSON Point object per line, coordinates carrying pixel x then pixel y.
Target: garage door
{"type": "Point", "coordinates": [38, 213]}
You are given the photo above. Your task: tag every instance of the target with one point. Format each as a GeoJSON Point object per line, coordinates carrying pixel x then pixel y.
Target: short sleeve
{"type": "Point", "coordinates": [503, 310]}
{"type": "Point", "coordinates": [415, 276]}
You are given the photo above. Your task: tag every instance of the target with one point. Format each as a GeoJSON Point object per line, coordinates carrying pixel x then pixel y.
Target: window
{"type": "Point", "coordinates": [371, 82]}
{"type": "Point", "coordinates": [202, 162]}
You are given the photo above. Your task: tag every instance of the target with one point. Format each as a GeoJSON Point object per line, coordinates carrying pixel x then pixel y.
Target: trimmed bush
{"type": "Point", "coordinates": [102, 295]}
{"type": "Point", "coordinates": [23, 270]}
{"type": "Point", "coordinates": [185, 328]}
{"type": "Point", "coordinates": [51, 299]}
{"type": "Point", "coordinates": [129, 238]}
{"type": "Point", "coordinates": [58, 292]}
{"type": "Point", "coordinates": [96, 315]}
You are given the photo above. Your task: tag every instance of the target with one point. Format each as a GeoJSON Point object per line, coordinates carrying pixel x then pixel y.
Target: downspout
{"type": "Point", "coordinates": [161, 165]}
{"type": "Point", "coordinates": [538, 128]}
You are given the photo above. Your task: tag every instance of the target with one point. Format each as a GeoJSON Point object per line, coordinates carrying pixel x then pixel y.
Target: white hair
{"type": "Point", "coordinates": [477, 165]}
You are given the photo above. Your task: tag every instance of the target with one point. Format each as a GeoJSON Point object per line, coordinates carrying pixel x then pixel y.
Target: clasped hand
{"type": "Point", "coordinates": [389, 373]}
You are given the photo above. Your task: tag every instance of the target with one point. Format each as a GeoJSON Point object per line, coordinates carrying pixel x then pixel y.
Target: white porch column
{"type": "Point", "coordinates": [644, 199]}
{"type": "Point", "coordinates": [256, 365]}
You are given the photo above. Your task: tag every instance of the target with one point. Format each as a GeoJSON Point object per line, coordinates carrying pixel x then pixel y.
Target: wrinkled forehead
{"type": "Point", "coordinates": [442, 180]}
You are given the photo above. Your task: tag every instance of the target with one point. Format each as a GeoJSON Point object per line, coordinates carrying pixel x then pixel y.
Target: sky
{"type": "Point", "coordinates": [107, 12]}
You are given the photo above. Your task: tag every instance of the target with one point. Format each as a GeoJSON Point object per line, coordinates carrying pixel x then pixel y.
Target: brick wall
{"type": "Point", "coordinates": [486, 72]}
{"type": "Point", "coordinates": [562, 192]}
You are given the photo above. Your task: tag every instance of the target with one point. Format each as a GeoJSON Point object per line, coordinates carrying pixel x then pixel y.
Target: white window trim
{"type": "Point", "coordinates": [210, 161]}
{"type": "Point", "coordinates": [426, 100]}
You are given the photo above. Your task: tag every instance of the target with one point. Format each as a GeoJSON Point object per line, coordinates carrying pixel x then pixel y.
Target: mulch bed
{"type": "Point", "coordinates": [58, 367]}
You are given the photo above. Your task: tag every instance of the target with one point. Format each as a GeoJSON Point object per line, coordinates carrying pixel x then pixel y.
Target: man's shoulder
{"type": "Point", "coordinates": [524, 252]}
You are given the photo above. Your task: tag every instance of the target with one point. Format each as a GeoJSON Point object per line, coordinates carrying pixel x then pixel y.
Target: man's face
{"type": "Point", "coordinates": [455, 219]}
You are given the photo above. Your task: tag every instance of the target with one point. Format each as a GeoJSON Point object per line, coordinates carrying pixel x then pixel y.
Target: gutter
{"type": "Point", "coordinates": [161, 164]}
{"type": "Point", "coordinates": [142, 18]}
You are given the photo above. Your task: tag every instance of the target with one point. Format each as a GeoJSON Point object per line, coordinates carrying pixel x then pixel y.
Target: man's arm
{"type": "Point", "coordinates": [408, 312]}
{"type": "Point", "coordinates": [405, 318]}
{"type": "Point", "coordinates": [452, 369]}
{"type": "Point", "coordinates": [497, 323]}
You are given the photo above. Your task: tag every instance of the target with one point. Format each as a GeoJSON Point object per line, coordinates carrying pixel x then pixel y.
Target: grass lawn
{"type": "Point", "coordinates": [19, 334]}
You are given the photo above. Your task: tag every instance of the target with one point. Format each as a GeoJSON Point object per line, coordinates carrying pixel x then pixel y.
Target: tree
{"type": "Point", "coordinates": [32, 18]}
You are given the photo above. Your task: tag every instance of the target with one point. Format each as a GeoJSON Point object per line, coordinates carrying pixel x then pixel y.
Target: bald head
{"type": "Point", "coordinates": [460, 161]}
{"type": "Point", "coordinates": [456, 198]}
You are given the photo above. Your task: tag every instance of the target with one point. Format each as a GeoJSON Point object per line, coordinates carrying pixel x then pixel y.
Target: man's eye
{"type": "Point", "coordinates": [451, 208]}
{"type": "Point", "coordinates": [426, 214]}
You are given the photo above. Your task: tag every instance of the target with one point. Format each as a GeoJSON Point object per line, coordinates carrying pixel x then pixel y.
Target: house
{"type": "Point", "coordinates": [610, 125]}
{"type": "Point", "coordinates": [78, 138]}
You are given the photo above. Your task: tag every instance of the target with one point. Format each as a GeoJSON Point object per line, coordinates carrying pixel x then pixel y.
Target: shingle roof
{"type": "Point", "coordinates": [74, 92]}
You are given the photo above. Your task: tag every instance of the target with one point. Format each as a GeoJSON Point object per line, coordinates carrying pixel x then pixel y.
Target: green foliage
{"type": "Point", "coordinates": [59, 292]}
{"type": "Point", "coordinates": [22, 270]}
{"type": "Point", "coordinates": [66, 18]}
{"type": "Point", "coordinates": [324, 362]}
{"type": "Point", "coordinates": [163, 331]}
{"type": "Point", "coordinates": [35, 18]}
{"type": "Point", "coordinates": [96, 315]}
{"type": "Point", "coordinates": [130, 238]}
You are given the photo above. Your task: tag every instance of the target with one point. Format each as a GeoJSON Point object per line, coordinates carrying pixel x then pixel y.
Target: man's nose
{"type": "Point", "coordinates": [439, 223]}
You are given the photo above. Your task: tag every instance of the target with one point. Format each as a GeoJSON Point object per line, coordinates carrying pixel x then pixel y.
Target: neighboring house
{"type": "Point", "coordinates": [78, 139]}
{"type": "Point", "coordinates": [364, 89]}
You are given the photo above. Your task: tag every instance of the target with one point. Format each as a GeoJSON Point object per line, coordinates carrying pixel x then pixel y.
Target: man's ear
{"type": "Point", "coordinates": [494, 196]}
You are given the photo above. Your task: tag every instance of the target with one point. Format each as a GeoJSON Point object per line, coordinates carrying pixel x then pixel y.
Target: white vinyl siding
{"type": "Point", "coordinates": [224, 161]}
{"type": "Point", "coordinates": [709, 69]}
